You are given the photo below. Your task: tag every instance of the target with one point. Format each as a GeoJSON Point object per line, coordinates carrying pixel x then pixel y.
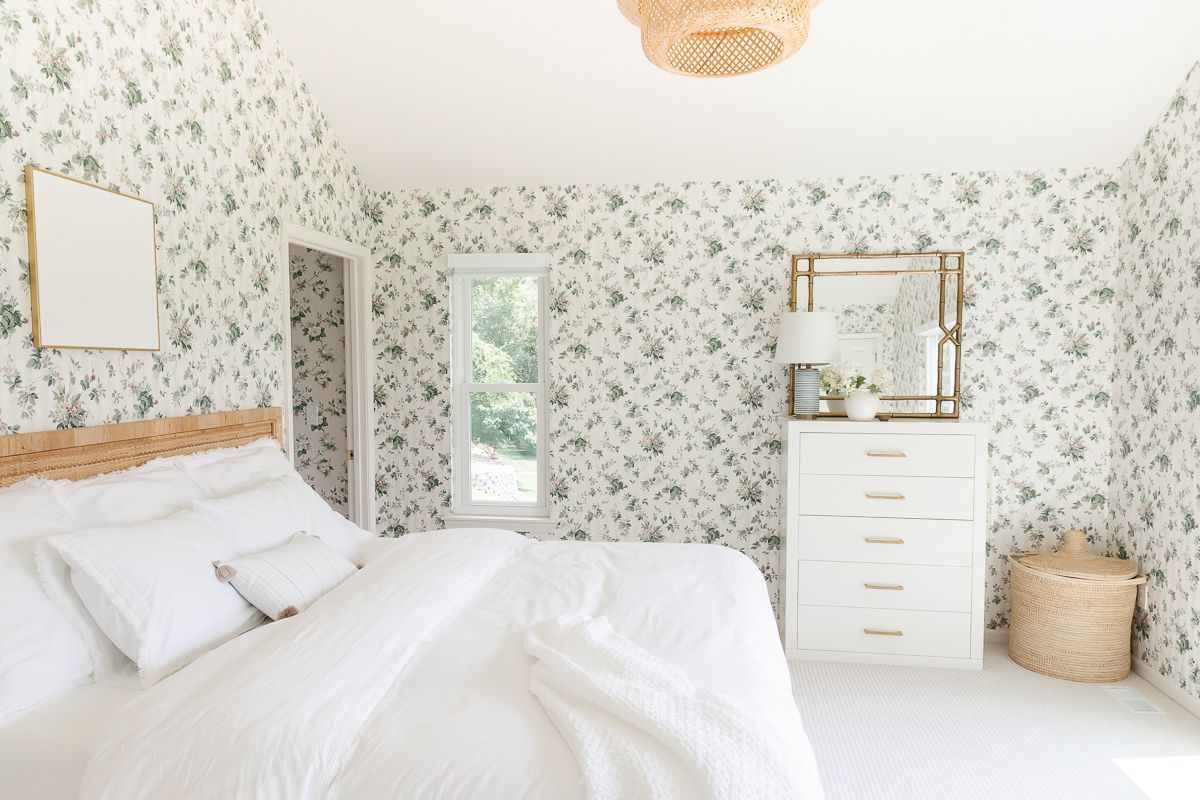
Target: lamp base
{"type": "Point", "coordinates": [806, 393]}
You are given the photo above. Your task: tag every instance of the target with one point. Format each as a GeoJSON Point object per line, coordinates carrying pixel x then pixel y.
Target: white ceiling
{"type": "Point", "coordinates": [454, 93]}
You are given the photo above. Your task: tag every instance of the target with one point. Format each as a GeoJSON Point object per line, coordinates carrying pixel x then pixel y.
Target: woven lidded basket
{"type": "Point", "coordinates": [1072, 612]}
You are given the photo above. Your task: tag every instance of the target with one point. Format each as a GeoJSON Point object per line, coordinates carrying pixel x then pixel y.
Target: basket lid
{"type": "Point", "coordinates": [1073, 560]}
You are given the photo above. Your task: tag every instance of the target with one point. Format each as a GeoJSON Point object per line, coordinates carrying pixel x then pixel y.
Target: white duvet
{"type": "Point", "coordinates": [411, 679]}
{"type": "Point", "coordinates": [639, 728]}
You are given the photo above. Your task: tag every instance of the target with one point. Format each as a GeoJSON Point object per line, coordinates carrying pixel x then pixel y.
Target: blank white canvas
{"type": "Point", "coordinates": [96, 276]}
{"type": "Point", "coordinates": [860, 350]}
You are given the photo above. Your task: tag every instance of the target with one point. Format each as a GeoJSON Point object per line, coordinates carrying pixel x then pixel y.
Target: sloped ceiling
{"type": "Point", "coordinates": [454, 93]}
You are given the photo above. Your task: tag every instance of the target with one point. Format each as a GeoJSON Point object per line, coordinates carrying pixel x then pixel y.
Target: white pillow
{"type": "Point", "coordinates": [285, 580]}
{"type": "Point", "coordinates": [219, 473]}
{"type": "Point", "coordinates": [274, 511]}
{"type": "Point", "coordinates": [154, 490]}
{"type": "Point", "coordinates": [150, 587]}
{"type": "Point", "coordinates": [151, 491]}
{"type": "Point", "coordinates": [222, 453]}
{"type": "Point", "coordinates": [109, 664]}
{"type": "Point", "coordinates": [41, 652]}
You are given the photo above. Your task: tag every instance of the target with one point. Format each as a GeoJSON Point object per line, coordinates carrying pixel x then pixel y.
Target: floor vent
{"type": "Point", "coordinates": [1133, 700]}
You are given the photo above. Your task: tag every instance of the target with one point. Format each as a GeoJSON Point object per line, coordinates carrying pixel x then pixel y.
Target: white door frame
{"type": "Point", "coordinates": [360, 361]}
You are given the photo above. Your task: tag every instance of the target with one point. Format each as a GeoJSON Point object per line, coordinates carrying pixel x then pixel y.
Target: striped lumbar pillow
{"type": "Point", "coordinates": [285, 580]}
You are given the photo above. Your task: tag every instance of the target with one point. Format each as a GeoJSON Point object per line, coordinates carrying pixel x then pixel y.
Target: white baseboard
{"type": "Point", "coordinates": [1167, 687]}
{"type": "Point", "coordinates": [1000, 635]}
{"type": "Point", "coordinates": [879, 658]}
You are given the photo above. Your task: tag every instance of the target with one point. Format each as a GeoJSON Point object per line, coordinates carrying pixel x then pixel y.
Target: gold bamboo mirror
{"type": "Point", "coordinates": [899, 316]}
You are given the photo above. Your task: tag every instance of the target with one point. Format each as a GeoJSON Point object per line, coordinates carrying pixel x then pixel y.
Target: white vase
{"type": "Point", "coordinates": [862, 405]}
{"type": "Point", "coordinates": [837, 406]}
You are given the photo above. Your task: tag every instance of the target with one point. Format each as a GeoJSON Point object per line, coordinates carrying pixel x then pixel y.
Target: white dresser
{"type": "Point", "coordinates": [885, 526]}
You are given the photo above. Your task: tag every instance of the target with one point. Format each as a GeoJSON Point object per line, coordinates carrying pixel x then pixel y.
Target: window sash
{"type": "Point", "coordinates": [468, 461]}
{"type": "Point", "coordinates": [462, 326]}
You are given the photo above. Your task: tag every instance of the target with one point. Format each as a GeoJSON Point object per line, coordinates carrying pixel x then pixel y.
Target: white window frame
{"type": "Point", "coordinates": [931, 332]}
{"type": "Point", "coordinates": [464, 269]}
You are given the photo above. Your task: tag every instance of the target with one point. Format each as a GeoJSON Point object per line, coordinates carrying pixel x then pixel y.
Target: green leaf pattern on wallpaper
{"type": "Point", "coordinates": [1156, 452]}
{"type": "Point", "coordinates": [190, 106]}
{"type": "Point", "coordinates": [664, 401]}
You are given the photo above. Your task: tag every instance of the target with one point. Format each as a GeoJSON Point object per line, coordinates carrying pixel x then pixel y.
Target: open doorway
{"type": "Point", "coordinates": [327, 367]}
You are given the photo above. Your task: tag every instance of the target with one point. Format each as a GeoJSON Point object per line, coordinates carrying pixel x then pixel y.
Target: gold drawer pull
{"type": "Point", "coordinates": [870, 632]}
{"type": "Point", "coordinates": [870, 540]}
{"type": "Point", "coordinates": [887, 587]}
{"type": "Point", "coordinates": [886, 454]}
{"type": "Point", "coordinates": [874, 496]}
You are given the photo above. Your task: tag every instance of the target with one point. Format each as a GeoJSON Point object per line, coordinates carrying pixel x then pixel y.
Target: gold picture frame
{"type": "Point", "coordinates": [69, 225]}
{"type": "Point", "coordinates": [947, 402]}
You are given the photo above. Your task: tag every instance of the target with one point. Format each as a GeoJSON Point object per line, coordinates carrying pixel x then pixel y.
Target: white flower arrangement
{"type": "Point", "coordinates": [832, 380]}
{"type": "Point", "coordinates": [839, 380]}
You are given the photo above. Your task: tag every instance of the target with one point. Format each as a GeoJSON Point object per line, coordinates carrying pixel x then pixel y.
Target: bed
{"type": "Point", "coordinates": [413, 677]}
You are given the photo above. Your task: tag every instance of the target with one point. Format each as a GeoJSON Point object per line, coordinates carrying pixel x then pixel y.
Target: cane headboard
{"type": "Point", "coordinates": [82, 452]}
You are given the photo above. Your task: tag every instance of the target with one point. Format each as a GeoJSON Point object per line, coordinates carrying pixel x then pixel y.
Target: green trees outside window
{"type": "Point", "coordinates": [504, 350]}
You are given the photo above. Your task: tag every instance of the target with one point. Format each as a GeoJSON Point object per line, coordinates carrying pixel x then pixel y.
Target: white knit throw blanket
{"type": "Point", "coordinates": [639, 729]}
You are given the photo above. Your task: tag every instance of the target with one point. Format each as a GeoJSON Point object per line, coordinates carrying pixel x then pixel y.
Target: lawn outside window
{"type": "Point", "coordinates": [498, 311]}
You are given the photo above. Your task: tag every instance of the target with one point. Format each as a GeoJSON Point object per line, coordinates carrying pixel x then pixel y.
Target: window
{"type": "Point", "coordinates": [931, 333]}
{"type": "Point", "coordinates": [498, 382]}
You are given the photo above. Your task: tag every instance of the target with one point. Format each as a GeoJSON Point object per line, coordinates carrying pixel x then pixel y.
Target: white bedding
{"type": "Point", "coordinates": [44, 751]}
{"type": "Point", "coordinates": [410, 679]}
{"type": "Point", "coordinates": [639, 728]}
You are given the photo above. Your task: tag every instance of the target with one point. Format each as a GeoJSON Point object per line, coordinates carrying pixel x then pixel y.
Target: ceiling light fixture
{"type": "Point", "coordinates": [719, 38]}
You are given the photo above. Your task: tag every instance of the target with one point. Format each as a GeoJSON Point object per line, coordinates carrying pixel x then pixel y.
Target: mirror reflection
{"type": "Point", "coordinates": [892, 326]}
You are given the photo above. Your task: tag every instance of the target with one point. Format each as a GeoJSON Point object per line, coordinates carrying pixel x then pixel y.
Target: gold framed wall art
{"type": "Point", "coordinates": [93, 270]}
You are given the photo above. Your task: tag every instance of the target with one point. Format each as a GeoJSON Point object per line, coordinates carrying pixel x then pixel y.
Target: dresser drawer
{"type": "Point", "coordinates": [914, 454]}
{"type": "Point", "coordinates": [872, 630]}
{"type": "Point", "coordinates": [909, 587]}
{"type": "Point", "coordinates": [941, 542]}
{"type": "Point", "coordinates": [875, 496]}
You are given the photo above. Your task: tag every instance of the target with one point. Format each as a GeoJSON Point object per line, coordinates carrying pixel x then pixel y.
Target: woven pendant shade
{"type": "Point", "coordinates": [719, 38]}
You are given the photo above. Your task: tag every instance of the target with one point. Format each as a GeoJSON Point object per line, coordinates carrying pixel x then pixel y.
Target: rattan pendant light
{"type": "Point", "coordinates": [719, 38]}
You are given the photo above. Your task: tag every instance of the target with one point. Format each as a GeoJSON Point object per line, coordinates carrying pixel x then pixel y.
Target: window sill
{"type": "Point", "coordinates": [535, 525]}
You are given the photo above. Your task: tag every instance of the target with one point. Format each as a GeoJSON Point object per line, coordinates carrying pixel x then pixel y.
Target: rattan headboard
{"type": "Point", "coordinates": [82, 452]}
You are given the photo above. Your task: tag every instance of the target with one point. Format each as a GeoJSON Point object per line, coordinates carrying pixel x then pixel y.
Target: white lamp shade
{"type": "Point", "coordinates": [807, 337]}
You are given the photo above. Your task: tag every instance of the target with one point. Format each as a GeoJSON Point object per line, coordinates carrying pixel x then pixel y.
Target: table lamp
{"type": "Point", "coordinates": [807, 339]}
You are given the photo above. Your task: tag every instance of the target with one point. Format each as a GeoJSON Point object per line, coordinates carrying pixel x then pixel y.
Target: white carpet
{"type": "Point", "coordinates": [886, 733]}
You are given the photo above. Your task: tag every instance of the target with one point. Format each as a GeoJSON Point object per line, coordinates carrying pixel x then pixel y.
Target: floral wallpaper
{"type": "Point", "coordinates": [317, 299]}
{"type": "Point", "coordinates": [915, 307]}
{"type": "Point", "coordinates": [1156, 395]}
{"type": "Point", "coordinates": [871, 319]}
{"type": "Point", "coordinates": [664, 402]}
{"type": "Point", "coordinates": [191, 105]}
